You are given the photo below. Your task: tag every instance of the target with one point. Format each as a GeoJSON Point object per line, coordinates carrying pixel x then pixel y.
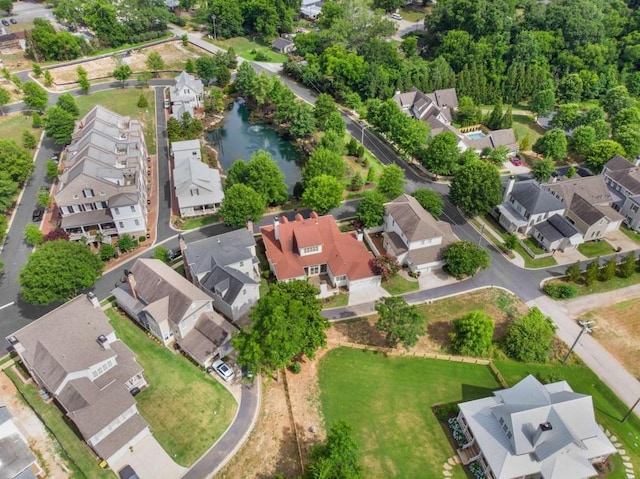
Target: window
{"type": "Point", "coordinates": [133, 209]}
{"type": "Point", "coordinates": [314, 270]}
{"type": "Point", "coordinates": [501, 420]}
{"type": "Point", "coordinates": [509, 435]}
{"type": "Point", "coordinates": [311, 249]}
{"type": "Point", "coordinates": [87, 192]}
{"type": "Point", "coordinates": [120, 224]}
{"type": "Point", "coordinates": [136, 222]}
{"type": "Point", "coordinates": [195, 192]}
{"type": "Point", "coordinates": [241, 264]}
{"type": "Point", "coordinates": [504, 427]}
{"type": "Point", "coordinates": [116, 211]}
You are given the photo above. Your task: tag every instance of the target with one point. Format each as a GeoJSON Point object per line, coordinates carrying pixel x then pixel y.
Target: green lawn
{"type": "Point", "coordinates": [187, 408]}
{"type": "Point", "coordinates": [388, 401]}
{"type": "Point", "coordinates": [602, 287]}
{"type": "Point", "coordinates": [533, 246]}
{"type": "Point", "coordinates": [524, 125]}
{"type": "Point", "coordinates": [593, 249]}
{"type": "Point", "coordinates": [12, 126]}
{"type": "Point", "coordinates": [413, 15]}
{"type": "Point", "coordinates": [630, 234]}
{"type": "Point", "coordinates": [609, 409]}
{"type": "Point", "coordinates": [80, 460]}
{"type": "Point", "coordinates": [193, 223]}
{"type": "Point", "coordinates": [243, 46]}
{"type": "Point", "coordinates": [124, 101]}
{"type": "Point", "coordinates": [400, 285]}
{"type": "Point", "coordinates": [336, 301]}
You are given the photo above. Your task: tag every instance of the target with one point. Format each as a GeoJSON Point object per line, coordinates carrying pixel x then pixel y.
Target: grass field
{"type": "Point", "coordinates": [244, 47]}
{"type": "Point", "coordinates": [12, 126]}
{"type": "Point", "coordinates": [524, 125]}
{"type": "Point", "coordinates": [187, 408]}
{"type": "Point", "coordinates": [593, 249]}
{"type": "Point", "coordinates": [336, 301]}
{"type": "Point", "coordinates": [630, 234]}
{"type": "Point", "coordinates": [400, 285]}
{"type": "Point", "coordinates": [600, 286]}
{"type": "Point", "coordinates": [388, 401]}
{"type": "Point", "coordinates": [608, 408]}
{"type": "Point", "coordinates": [124, 101]}
{"type": "Point", "coordinates": [76, 454]}
{"type": "Point", "coordinates": [193, 223]}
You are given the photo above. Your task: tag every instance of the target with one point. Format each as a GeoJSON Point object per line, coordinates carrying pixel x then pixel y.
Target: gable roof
{"type": "Point", "coordinates": [535, 199]}
{"type": "Point", "coordinates": [592, 188]}
{"type": "Point", "coordinates": [193, 173]}
{"type": "Point", "coordinates": [220, 250]}
{"type": "Point", "coordinates": [210, 332]}
{"type": "Point", "coordinates": [416, 223]}
{"type": "Point", "coordinates": [537, 429]}
{"type": "Point", "coordinates": [342, 252]}
{"type": "Point", "coordinates": [226, 282]}
{"type": "Point", "coordinates": [618, 163]}
{"type": "Point", "coordinates": [281, 43]}
{"type": "Point", "coordinates": [629, 178]}
{"type": "Point", "coordinates": [186, 80]}
{"type": "Point", "coordinates": [556, 228]}
{"type": "Point", "coordinates": [167, 294]}
{"type": "Point", "coordinates": [15, 455]}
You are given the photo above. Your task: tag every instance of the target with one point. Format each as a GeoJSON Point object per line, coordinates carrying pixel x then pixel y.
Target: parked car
{"type": "Point", "coordinates": [5, 22]}
{"type": "Point", "coordinates": [127, 472]}
{"type": "Point", "coordinates": [516, 160]}
{"type": "Point", "coordinates": [13, 21]}
{"type": "Point", "coordinates": [174, 253]}
{"type": "Point", "coordinates": [223, 370]}
{"type": "Point", "coordinates": [55, 157]}
{"type": "Point", "coordinates": [247, 372]}
{"type": "Point", "coordinates": [396, 16]}
{"type": "Point", "coordinates": [37, 215]}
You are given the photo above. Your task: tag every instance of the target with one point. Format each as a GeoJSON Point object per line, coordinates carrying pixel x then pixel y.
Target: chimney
{"type": "Point", "coordinates": [636, 162]}
{"type": "Point", "coordinates": [182, 244]}
{"type": "Point", "coordinates": [542, 433]}
{"type": "Point", "coordinates": [276, 223]}
{"type": "Point", "coordinates": [103, 341]}
{"type": "Point", "coordinates": [507, 191]}
{"type": "Point", "coordinates": [250, 225]}
{"type": "Point", "coordinates": [93, 299]}
{"type": "Point", "coordinates": [359, 235]}
{"type": "Point", "coordinates": [132, 284]}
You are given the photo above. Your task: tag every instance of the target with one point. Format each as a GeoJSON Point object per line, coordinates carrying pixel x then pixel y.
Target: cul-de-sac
{"type": "Point", "coordinates": [320, 239]}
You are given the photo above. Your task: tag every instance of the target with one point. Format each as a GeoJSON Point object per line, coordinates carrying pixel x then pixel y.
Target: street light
{"type": "Point", "coordinates": [213, 19]}
{"type": "Point", "coordinates": [586, 328]}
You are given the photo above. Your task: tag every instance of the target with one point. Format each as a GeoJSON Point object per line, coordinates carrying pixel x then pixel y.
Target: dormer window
{"type": "Point", "coordinates": [311, 249]}
{"type": "Point", "coordinates": [87, 192]}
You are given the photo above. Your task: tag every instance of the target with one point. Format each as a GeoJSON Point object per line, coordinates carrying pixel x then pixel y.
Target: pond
{"type": "Point", "coordinates": [237, 139]}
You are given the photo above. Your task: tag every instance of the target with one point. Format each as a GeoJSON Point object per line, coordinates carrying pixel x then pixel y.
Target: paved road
{"type": "Point", "coordinates": [26, 11]}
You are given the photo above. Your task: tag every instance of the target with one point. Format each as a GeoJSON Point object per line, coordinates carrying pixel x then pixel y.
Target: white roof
{"type": "Point", "coordinates": [190, 174]}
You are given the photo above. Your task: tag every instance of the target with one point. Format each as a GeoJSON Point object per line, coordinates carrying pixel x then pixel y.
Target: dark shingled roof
{"type": "Point", "coordinates": [556, 228]}
{"type": "Point", "coordinates": [585, 210]}
{"type": "Point", "coordinates": [618, 163]}
{"type": "Point", "coordinates": [535, 199]}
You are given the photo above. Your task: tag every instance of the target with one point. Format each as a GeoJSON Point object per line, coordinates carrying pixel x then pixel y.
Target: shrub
{"type": "Point", "coordinates": [560, 291]}
{"type": "Point", "coordinates": [573, 272]}
{"type": "Point", "coordinates": [126, 242]}
{"type": "Point", "coordinates": [162, 254]}
{"type": "Point", "coordinates": [357, 182]}
{"type": "Point", "coordinates": [261, 57]}
{"type": "Point", "coordinates": [472, 334]}
{"type": "Point", "coordinates": [529, 338]}
{"type": "Point", "coordinates": [295, 367]}
{"type": "Point", "coordinates": [52, 169]}
{"type": "Point", "coordinates": [511, 242]}
{"type": "Point", "coordinates": [56, 235]}
{"type": "Point", "coordinates": [142, 239]}
{"type": "Point", "coordinates": [591, 273]}
{"type": "Point", "coordinates": [386, 266]}
{"type": "Point", "coordinates": [107, 252]}
{"type": "Point", "coordinates": [36, 120]}
{"type": "Point", "coordinates": [142, 101]}
{"type": "Point", "coordinates": [608, 270]}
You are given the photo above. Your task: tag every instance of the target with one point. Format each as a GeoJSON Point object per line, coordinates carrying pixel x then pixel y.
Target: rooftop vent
{"type": "Point", "coordinates": [546, 426]}
{"type": "Point", "coordinates": [102, 339]}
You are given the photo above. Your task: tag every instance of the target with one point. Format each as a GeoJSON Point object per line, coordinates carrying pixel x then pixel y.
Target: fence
{"type": "Point", "coordinates": [531, 253]}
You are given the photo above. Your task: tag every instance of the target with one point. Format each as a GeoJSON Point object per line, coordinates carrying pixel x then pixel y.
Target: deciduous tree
{"type": "Point", "coordinates": [553, 144]}
{"type": "Point", "coordinates": [543, 169]}
{"type": "Point", "coordinates": [430, 200]}
{"type": "Point", "coordinates": [370, 210]}
{"type": "Point", "coordinates": [472, 334]}
{"type": "Point", "coordinates": [15, 161]}
{"type": "Point", "coordinates": [337, 457]}
{"type": "Point", "coordinates": [59, 125]}
{"type": "Point", "coordinates": [322, 193]}
{"type": "Point", "coordinates": [529, 338]}
{"type": "Point", "coordinates": [391, 182]}
{"type": "Point", "coordinates": [68, 104]}
{"type": "Point", "coordinates": [476, 188]}
{"type": "Point", "coordinates": [35, 97]}
{"type": "Point", "coordinates": [323, 162]}
{"type": "Point", "coordinates": [601, 152]}
{"type": "Point", "coordinates": [155, 62]}
{"type": "Point", "coordinates": [240, 203]}
{"type": "Point", "coordinates": [441, 154]}
{"type": "Point", "coordinates": [28, 140]}
{"type": "Point", "coordinates": [122, 73]}
{"type": "Point", "coordinates": [402, 323]}
{"type": "Point", "coordinates": [32, 234]}
{"type": "Point", "coordinates": [464, 258]}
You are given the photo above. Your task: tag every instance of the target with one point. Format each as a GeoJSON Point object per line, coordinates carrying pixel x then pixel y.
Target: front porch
{"type": "Point", "coordinates": [95, 226]}
{"type": "Point", "coordinates": [323, 283]}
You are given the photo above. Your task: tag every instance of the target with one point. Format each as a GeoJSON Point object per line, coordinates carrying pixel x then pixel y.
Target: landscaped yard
{"type": "Point", "coordinates": [193, 223]}
{"type": "Point", "coordinates": [187, 408]}
{"type": "Point", "coordinates": [533, 245]}
{"type": "Point", "coordinates": [336, 301]}
{"type": "Point", "coordinates": [601, 286]}
{"type": "Point", "coordinates": [12, 126]}
{"type": "Point", "coordinates": [124, 101]}
{"type": "Point", "coordinates": [388, 401]}
{"type": "Point", "coordinates": [593, 249]}
{"type": "Point", "coordinates": [400, 285]}
{"type": "Point", "coordinates": [630, 234]}
{"type": "Point", "coordinates": [244, 47]}
{"type": "Point", "coordinates": [524, 125]}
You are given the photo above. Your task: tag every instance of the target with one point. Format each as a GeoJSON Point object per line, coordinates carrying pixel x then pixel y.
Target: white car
{"type": "Point", "coordinates": [223, 370]}
{"type": "Point", "coordinates": [396, 16]}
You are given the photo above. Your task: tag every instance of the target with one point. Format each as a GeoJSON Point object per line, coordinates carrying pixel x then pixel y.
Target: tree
{"type": "Point", "coordinates": [35, 97]}
{"type": "Point", "coordinates": [44, 197]}
{"type": "Point", "coordinates": [567, 116]}
{"type": "Point", "coordinates": [529, 338]}
{"type": "Point", "coordinates": [409, 46]}
{"type": "Point", "coordinates": [591, 272]}
{"type": "Point", "coordinates": [628, 137]}
{"type": "Point", "coordinates": [625, 117]}
{"type": "Point", "coordinates": [391, 182]}
{"type": "Point", "coordinates": [5, 97]}
{"type": "Point", "coordinates": [337, 457]}
{"type": "Point", "coordinates": [370, 210]}
{"type": "Point", "coordinates": [386, 265]}
{"type": "Point", "coordinates": [357, 182]}
{"type": "Point", "coordinates": [601, 152]}
{"type": "Point", "coordinates": [323, 162]}
{"type": "Point", "coordinates": [441, 154]}
{"type": "Point", "coordinates": [57, 234]}
{"type": "Point", "coordinates": [498, 155]}
{"type": "Point", "coordinates": [543, 102]}
{"type": "Point", "coordinates": [543, 169]}
{"type": "Point", "coordinates": [59, 125]}
{"type": "Point", "coordinates": [334, 142]}
{"type": "Point", "coordinates": [401, 322]}
{"type": "Point", "coordinates": [573, 272]}
{"type": "Point", "coordinates": [494, 120]}
{"type": "Point", "coordinates": [627, 266]}
{"type": "Point", "coordinates": [323, 109]}
{"type": "Point", "coordinates": [126, 242]}
{"type": "Point", "coordinates": [32, 234]}
{"type": "Point", "coordinates": [106, 252]}
{"type": "Point", "coordinates": [468, 113]}
{"type": "Point", "coordinates": [616, 99]}
{"type": "Point", "coordinates": [553, 144]}
{"type": "Point", "coordinates": [608, 270]}
{"type": "Point", "coordinates": [57, 271]}
{"type": "Point", "coordinates": [582, 140]}
{"type": "Point", "coordinates": [8, 192]}
{"type": "Point", "coordinates": [161, 253]}
{"type": "Point", "coordinates": [6, 6]}
{"type": "Point", "coordinates": [430, 200]}
{"type": "Point", "coordinates": [15, 161]}
{"type": "Point", "coordinates": [190, 66]}
{"type": "Point", "coordinates": [472, 334]}
{"type": "Point", "coordinates": [36, 120]}
{"type": "Point", "coordinates": [476, 188]}
{"type": "Point", "coordinates": [28, 140]}
{"type": "Point", "coordinates": [142, 101]}
{"type": "Point", "coordinates": [507, 118]}
{"type": "Point", "coordinates": [48, 78]}
{"type": "Point", "coordinates": [264, 176]}
{"type": "Point", "coordinates": [68, 104]}
{"type": "Point", "coordinates": [301, 120]}
{"type": "Point", "coordinates": [122, 73]}
{"type": "Point", "coordinates": [83, 80]}
{"type": "Point", "coordinates": [241, 202]}
{"type": "Point", "coordinates": [52, 169]}
{"type": "Point", "coordinates": [154, 62]}
{"type": "Point", "coordinates": [322, 193]}
{"type": "Point", "coordinates": [464, 258]}
{"type": "Point", "coordinates": [286, 322]}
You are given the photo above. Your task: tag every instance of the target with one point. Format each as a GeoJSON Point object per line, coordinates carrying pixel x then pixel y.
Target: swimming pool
{"type": "Point", "coordinates": [475, 135]}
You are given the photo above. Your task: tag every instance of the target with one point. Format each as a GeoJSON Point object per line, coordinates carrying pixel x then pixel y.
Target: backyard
{"type": "Point", "coordinates": [12, 126]}
{"type": "Point", "coordinates": [187, 408]}
{"type": "Point", "coordinates": [247, 48]}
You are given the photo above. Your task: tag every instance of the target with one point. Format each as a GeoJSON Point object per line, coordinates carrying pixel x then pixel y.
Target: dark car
{"type": "Point", "coordinates": [127, 472]}
{"type": "Point", "coordinates": [174, 253]}
{"type": "Point", "coordinates": [37, 215]}
{"type": "Point", "coordinates": [5, 22]}
{"type": "Point", "coordinates": [13, 20]}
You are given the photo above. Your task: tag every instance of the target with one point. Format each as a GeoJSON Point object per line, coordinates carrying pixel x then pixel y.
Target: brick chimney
{"type": "Point", "coordinates": [509, 188]}
{"type": "Point", "coordinates": [276, 224]}
{"type": "Point", "coordinates": [131, 281]}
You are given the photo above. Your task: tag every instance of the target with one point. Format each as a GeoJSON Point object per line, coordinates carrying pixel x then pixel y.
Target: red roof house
{"type": "Point", "coordinates": [310, 247]}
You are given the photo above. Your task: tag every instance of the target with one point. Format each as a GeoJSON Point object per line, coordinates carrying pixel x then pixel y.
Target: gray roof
{"type": "Point", "coordinates": [221, 250]}
{"type": "Point", "coordinates": [556, 228]}
{"type": "Point", "coordinates": [186, 80]}
{"type": "Point", "coordinates": [15, 455]}
{"type": "Point", "coordinates": [121, 436]}
{"type": "Point", "coordinates": [167, 294]}
{"type": "Point", "coordinates": [618, 163]}
{"type": "Point", "coordinates": [416, 223]}
{"type": "Point", "coordinates": [535, 199]}
{"type": "Point", "coordinates": [193, 174]}
{"type": "Point", "coordinates": [210, 332]}
{"type": "Point", "coordinates": [182, 150]}
{"type": "Point", "coordinates": [123, 199]}
{"type": "Point", "coordinates": [534, 429]}
{"type": "Point", "coordinates": [226, 282]}
{"type": "Point", "coordinates": [584, 210]}
{"type": "Point", "coordinates": [281, 43]}
{"type": "Point", "coordinates": [592, 188]}
{"type": "Point", "coordinates": [629, 178]}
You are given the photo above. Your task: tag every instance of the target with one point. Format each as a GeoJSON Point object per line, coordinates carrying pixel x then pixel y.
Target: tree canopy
{"type": "Point", "coordinates": [241, 202]}
{"type": "Point", "coordinates": [322, 193]}
{"type": "Point", "coordinates": [464, 258]}
{"type": "Point", "coordinates": [15, 161]}
{"type": "Point", "coordinates": [323, 162]}
{"type": "Point", "coordinates": [370, 210]}
{"type": "Point", "coordinates": [391, 182]}
{"type": "Point", "coordinates": [262, 174]}
{"type": "Point", "coordinates": [529, 338]}
{"type": "Point", "coordinates": [430, 200]}
{"type": "Point", "coordinates": [472, 334]}
{"type": "Point", "coordinates": [57, 271]}
{"type": "Point", "coordinates": [285, 323]}
{"type": "Point", "coordinates": [59, 125]}
{"type": "Point", "coordinates": [476, 188]}
{"type": "Point", "coordinates": [402, 323]}
{"type": "Point", "coordinates": [335, 458]}
{"type": "Point", "coordinates": [35, 97]}
{"type": "Point", "coordinates": [441, 155]}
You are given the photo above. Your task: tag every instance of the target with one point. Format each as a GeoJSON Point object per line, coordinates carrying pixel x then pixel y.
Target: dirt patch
{"type": "Point", "coordinates": [32, 429]}
{"type": "Point", "coordinates": [618, 332]}
{"type": "Point", "coordinates": [173, 53]}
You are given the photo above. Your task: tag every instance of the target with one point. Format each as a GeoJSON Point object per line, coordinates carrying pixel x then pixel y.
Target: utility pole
{"type": "Point", "coordinates": [626, 416]}
{"type": "Point", "coordinates": [213, 19]}
{"type": "Point", "coordinates": [481, 232]}
{"type": "Point", "coordinates": [586, 328]}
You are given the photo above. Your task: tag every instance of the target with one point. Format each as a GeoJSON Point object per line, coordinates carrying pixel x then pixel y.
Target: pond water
{"type": "Point", "coordinates": [237, 139]}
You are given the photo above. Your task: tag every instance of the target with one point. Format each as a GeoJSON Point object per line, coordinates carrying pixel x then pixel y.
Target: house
{"type": "Point", "coordinates": [316, 247]}
{"type": "Point", "coordinates": [74, 355]}
{"type": "Point", "coordinates": [437, 109]}
{"type": "Point", "coordinates": [311, 9]}
{"type": "Point", "coordinates": [413, 236]}
{"type": "Point", "coordinates": [525, 204]}
{"type": "Point", "coordinates": [623, 180]}
{"type": "Point", "coordinates": [283, 45]}
{"type": "Point", "coordinates": [557, 234]}
{"type": "Point", "coordinates": [102, 190]}
{"type": "Point", "coordinates": [226, 268]}
{"type": "Point", "coordinates": [198, 187]}
{"type": "Point", "coordinates": [185, 95]}
{"type": "Point", "coordinates": [174, 310]}
{"type": "Point", "coordinates": [535, 431]}
{"type": "Point", "coordinates": [588, 205]}
{"type": "Point", "coordinates": [16, 459]}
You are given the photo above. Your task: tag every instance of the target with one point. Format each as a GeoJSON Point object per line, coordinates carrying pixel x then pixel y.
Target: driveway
{"type": "Point", "coordinates": [405, 27]}
{"type": "Point", "coordinates": [150, 461]}
{"type": "Point", "coordinates": [367, 295]}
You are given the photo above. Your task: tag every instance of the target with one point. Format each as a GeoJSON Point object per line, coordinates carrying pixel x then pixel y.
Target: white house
{"type": "Point", "coordinates": [533, 431]}
{"type": "Point", "coordinates": [185, 95]}
{"type": "Point", "coordinates": [413, 236]}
